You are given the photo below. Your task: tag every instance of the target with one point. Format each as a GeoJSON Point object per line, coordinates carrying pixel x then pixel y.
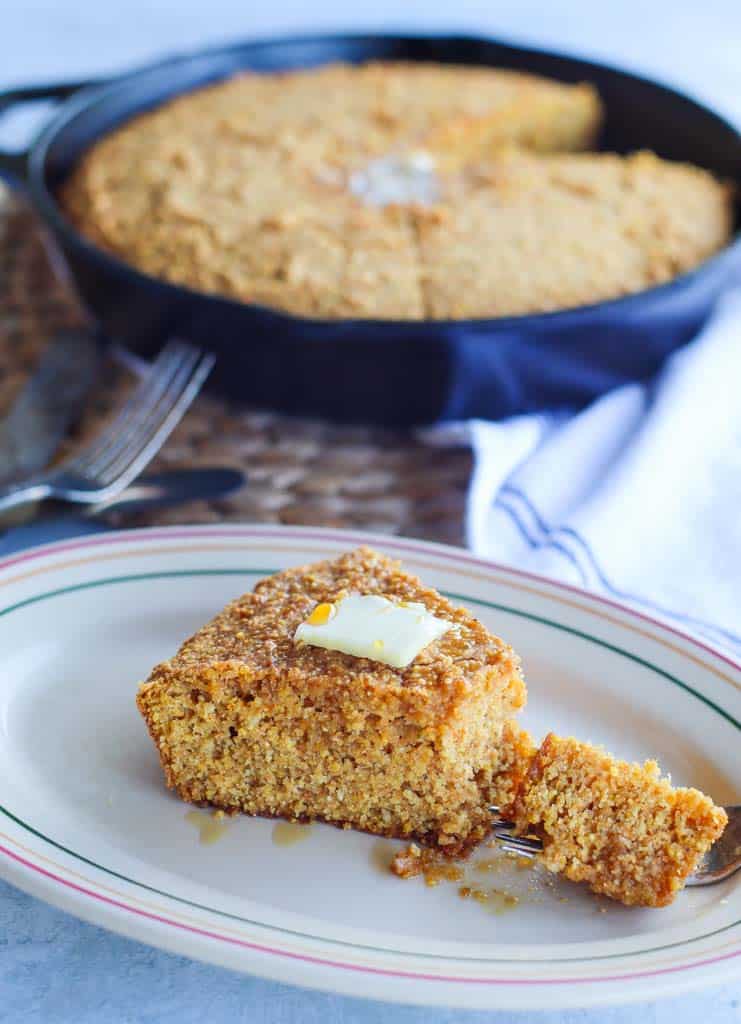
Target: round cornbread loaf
{"type": "Point", "coordinates": [249, 189]}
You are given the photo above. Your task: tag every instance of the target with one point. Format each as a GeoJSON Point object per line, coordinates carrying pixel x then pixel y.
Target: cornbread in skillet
{"type": "Point", "coordinates": [246, 719]}
{"type": "Point", "coordinates": [619, 827]}
{"type": "Point", "coordinates": [243, 188]}
{"type": "Point", "coordinates": [249, 189]}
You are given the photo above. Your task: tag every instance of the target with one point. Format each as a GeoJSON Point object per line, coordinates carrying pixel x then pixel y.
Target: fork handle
{"type": "Point", "coordinates": [23, 494]}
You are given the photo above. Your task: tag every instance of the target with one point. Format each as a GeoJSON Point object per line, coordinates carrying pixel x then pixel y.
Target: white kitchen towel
{"type": "Point", "coordinates": [637, 496]}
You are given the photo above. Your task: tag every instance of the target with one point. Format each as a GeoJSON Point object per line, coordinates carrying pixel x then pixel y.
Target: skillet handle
{"type": "Point", "coordinates": [14, 164]}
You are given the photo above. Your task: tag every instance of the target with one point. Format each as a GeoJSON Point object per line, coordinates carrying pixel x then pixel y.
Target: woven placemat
{"type": "Point", "coordinates": [300, 471]}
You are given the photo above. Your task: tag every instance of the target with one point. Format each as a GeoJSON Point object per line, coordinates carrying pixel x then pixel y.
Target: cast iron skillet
{"type": "Point", "coordinates": [382, 371]}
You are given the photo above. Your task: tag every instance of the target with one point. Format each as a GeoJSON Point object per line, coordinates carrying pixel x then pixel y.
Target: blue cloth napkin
{"type": "Point", "coordinates": [638, 496]}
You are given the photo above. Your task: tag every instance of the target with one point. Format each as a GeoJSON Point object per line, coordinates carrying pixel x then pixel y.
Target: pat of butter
{"type": "Point", "coordinates": [370, 626]}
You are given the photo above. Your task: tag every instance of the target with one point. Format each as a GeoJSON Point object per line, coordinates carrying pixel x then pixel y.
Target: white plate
{"type": "Point", "coordinates": [86, 823]}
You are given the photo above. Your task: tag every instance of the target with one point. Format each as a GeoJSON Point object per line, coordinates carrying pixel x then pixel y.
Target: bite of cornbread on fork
{"type": "Point", "coordinates": [622, 828]}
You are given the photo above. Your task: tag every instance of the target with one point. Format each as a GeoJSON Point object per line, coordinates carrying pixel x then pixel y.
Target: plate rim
{"type": "Point", "coordinates": [358, 537]}
{"type": "Point", "coordinates": [262, 534]}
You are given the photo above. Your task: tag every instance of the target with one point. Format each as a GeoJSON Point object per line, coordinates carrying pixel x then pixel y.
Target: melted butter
{"type": "Point", "coordinates": [321, 614]}
{"type": "Point", "coordinates": [288, 833]}
{"type": "Point", "coordinates": [372, 626]}
{"type": "Point", "coordinates": [397, 178]}
{"type": "Point", "coordinates": [210, 827]}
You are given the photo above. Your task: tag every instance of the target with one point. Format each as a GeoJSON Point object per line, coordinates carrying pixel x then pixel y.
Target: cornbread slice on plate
{"type": "Point", "coordinates": [619, 827]}
{"type": "Point", "coordinates": [247, 719]}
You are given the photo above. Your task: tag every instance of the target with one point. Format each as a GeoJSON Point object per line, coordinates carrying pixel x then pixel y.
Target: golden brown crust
{"type": "Point", "coordinates": [619, 827]}
{"type": "Point", "coordinates": [246, 719]}
{"type": "Point", "coordinates": [256, 631]}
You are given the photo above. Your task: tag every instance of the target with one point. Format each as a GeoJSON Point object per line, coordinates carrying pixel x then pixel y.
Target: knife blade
{"type": "Point", "coordinates": [57, 521]}
{"type": "Point", "coordinates": [48, 404]}
{"type": "Point", "coordinates": [154, 490]}
{"type": "Point", "coordinates": [172, 487]}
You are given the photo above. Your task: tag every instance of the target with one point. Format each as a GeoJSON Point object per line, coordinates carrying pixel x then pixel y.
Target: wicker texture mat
{"type": "Point", "coordinates": [300, 471]}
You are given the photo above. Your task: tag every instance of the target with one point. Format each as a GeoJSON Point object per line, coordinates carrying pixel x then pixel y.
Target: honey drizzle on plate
{"type": "Point", "coordinates": [493, 901]}
{"type": "Point", "coordinates": [381, 854]}
{"type": "Point", "coordinates": [288, 833]}
{"type": "Point", "coordinates": [210, 827]}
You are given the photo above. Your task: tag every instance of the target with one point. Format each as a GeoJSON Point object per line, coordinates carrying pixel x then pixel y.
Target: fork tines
{"type": "Point", "coordinates": [526, 846]}
{"type": "Point", "coordinates": [147, 417]}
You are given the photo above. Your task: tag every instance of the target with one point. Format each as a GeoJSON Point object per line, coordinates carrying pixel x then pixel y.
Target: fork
{"type": "Point", "coordinates": [112, 460]}
{"type": "Point", "coordinates": [719, 863]}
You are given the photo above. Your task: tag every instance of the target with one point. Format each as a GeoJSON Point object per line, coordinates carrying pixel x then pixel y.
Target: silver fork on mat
{"type": "Point", "coordinates": [720, 862]}
{"type": "Point", "coordinates": [113, 459]}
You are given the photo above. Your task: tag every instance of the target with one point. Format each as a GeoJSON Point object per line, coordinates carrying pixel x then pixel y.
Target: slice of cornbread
{"type": "Point", "coordinates": [619, 827]}
{"type": "Point", "coordinates": [245, 719]}
{"type": "Point", "coordinates": [463, 113]}
{"type": "Point", "coordinates": [528, 233]}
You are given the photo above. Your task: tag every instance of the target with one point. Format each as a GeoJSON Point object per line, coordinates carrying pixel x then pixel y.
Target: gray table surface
{"type": "Point", "coordinates": [54, 968]}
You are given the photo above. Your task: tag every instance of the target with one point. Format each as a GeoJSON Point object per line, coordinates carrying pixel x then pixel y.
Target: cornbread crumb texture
{"type": "Point", "coordinates": [245, 719]}
{"type": "Point", "coordinates": [619, 827]}
{"type": "Point", "coordinates": [414, 860]}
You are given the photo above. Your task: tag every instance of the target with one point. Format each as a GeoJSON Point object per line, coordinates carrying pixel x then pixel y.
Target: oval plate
{"type": "Point", "coordinates": [86, 823]}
